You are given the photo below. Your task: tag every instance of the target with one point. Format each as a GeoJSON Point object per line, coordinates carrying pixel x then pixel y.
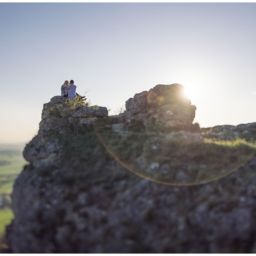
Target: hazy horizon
{"type": "Point", "coordinates": [114, 50]}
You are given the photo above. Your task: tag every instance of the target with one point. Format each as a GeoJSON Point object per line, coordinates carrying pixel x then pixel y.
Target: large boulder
{"type": "Point", "coordinates": [162, 108]}
{"type": "Point", "coordinates": [59, 107]}
{"type": "Point", "coordinates": [59, 117]}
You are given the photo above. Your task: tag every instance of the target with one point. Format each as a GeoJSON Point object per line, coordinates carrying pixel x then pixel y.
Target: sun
{"type": "Point", "coordinates": [191, 92]}
{"type": "Point", "coordinates": [188, 92]}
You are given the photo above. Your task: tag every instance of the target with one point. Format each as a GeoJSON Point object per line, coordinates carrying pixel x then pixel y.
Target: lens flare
{"type": "Point", "coordinates": [175, 159]}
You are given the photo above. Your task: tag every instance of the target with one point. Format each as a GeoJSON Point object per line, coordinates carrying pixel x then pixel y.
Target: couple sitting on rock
{"type": "Point", "coordinates": [68, 90]}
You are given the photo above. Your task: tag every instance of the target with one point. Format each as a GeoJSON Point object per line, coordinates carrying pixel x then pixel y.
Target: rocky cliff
{"type": "Point", "coordinates": [147, 180]}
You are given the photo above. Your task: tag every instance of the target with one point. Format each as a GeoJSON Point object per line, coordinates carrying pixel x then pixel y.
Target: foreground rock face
{"type": "Point", "coordinates": [74, 197]}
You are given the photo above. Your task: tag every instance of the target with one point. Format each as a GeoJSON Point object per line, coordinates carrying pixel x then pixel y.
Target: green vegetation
{"type": "Point", "coordinates": [164, 160]}
{"type": "Point", "coordinates": [77, 102]}
{"type": "Point", "coordinates": [8, 172]}
{"type": "Point", "coordinates": [231, 143]}
{"type": "Point", "coordinates": [11, 162]}
{"type": "Point", "coordinates": [6, 216]}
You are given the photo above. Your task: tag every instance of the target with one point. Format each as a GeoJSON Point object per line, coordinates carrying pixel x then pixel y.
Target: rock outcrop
{"type": "Point", "coordinates": [231, 132]}
{"type": "Point", "coordinates": [59, 118]}
{"type": "Point", "coordinates": [74, 196]}
{"type": "Point", "coordinates": [162, 108]}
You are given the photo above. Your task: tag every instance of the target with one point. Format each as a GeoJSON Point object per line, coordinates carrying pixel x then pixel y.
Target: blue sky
{"type": "Point", "coordinates": [113, 51]}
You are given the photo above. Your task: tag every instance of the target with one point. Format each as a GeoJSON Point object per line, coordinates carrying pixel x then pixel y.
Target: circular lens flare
{"type": "Point", "coordinates": [177, 158]}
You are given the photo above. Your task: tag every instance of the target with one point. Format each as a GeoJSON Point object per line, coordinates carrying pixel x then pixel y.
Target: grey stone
{"type": "Point", "coordinates": [94, 111]}
{"type": "Point", "coordinates": [75, 195]}
{"type": "Point", "coordinates": [118, 128]}
{"type": "Point", "coordinates": [161, 108]}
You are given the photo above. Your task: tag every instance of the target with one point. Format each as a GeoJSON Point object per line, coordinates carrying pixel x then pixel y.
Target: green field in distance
{"type": "Point", "coordinates": [11, 163]}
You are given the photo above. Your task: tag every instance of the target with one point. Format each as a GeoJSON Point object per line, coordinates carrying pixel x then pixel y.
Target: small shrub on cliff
{"type": "Point", "coordinates": [77, 102]}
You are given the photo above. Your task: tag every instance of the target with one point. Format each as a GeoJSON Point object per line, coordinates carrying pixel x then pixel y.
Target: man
{"type": "Point", "coordinates": [71, 90]}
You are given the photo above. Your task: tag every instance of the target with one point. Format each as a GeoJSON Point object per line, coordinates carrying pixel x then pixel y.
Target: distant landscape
{"type": "Point", "coordinates": [11, 162]}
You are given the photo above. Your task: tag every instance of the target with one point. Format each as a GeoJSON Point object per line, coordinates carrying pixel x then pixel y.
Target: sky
{"type": "Point", "coordinates": [114, 50]}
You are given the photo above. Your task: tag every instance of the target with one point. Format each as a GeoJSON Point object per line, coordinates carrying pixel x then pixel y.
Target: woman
{"type": "Point", "coordinates": [71, 90]}
{"type": "Point", "coordinates": [64, 89]}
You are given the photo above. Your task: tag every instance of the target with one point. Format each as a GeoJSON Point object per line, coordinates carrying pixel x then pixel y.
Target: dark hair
{"type": "Point", "coordinates": [71, 81]}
